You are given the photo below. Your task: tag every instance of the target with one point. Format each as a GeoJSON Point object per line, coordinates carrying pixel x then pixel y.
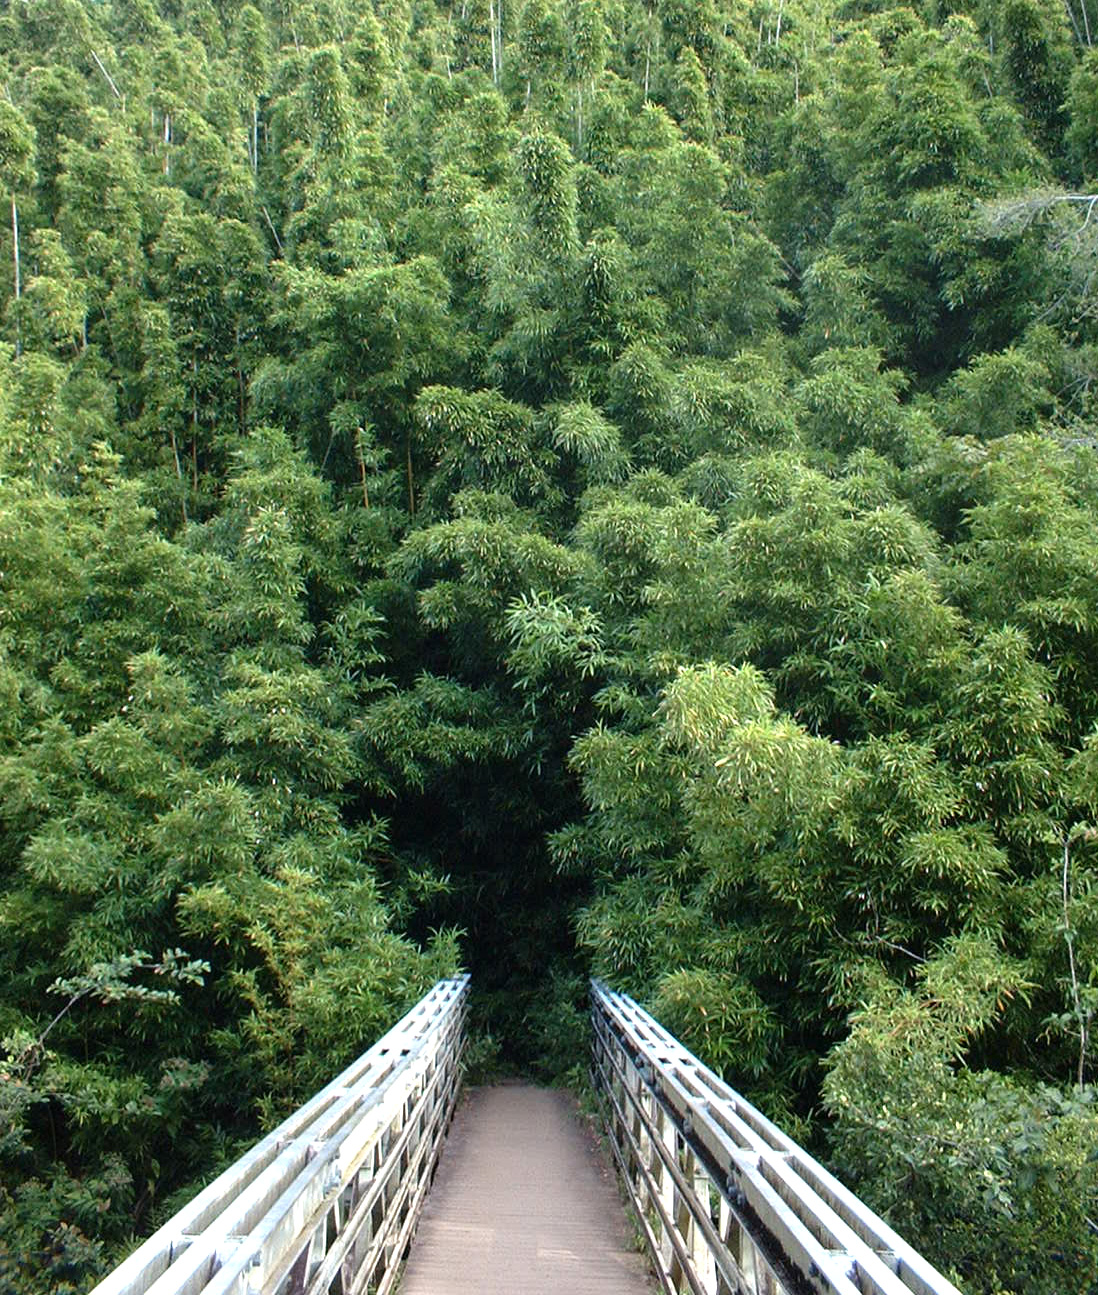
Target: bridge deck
{"type": "Point", "coordinates": [523, 1201]}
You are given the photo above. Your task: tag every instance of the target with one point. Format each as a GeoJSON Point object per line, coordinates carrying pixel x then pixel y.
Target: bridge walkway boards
{"type": "Point", "coordinates": [524, 1203]}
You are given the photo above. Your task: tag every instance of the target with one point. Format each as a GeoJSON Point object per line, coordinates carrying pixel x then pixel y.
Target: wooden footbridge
{"type": "Point", "coordinates": [352, 1194]}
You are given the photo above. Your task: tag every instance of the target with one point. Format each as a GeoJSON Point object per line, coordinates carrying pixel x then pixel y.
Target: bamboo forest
{"type": "Point", "coordinates": [551, 488]}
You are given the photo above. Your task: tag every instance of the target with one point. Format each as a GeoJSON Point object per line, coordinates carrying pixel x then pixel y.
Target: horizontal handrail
{"type": "Point", "coordinates": [327, 1200]}
{"type": "Point", "coordinates": [728, 1203]}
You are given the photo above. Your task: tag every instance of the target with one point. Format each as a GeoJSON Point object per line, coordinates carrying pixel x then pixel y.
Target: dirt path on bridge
{"type": "Point", "coordinates": [524, 1203]}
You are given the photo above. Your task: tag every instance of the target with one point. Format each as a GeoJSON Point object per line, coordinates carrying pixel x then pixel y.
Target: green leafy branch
{"type": "Point", "coordinates": [112, 982]}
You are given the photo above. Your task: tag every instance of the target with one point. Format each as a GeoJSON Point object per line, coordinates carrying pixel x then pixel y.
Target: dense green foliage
{"type": "Point", "coordinates": [551, 487]}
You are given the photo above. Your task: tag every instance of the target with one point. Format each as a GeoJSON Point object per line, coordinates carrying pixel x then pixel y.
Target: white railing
{"type": "Point", "coordinates": [327, 1201]}
{"type": "Point", "coordinates": [729, 1205]}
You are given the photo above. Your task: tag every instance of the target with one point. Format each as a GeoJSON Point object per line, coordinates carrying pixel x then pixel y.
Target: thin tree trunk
{"type": "Point", "coordinates": [241, 403]}
{"type": "Point", "coordinates": [1081, 1014]}
{"type": "Point", "coordinates": [179, 474]}
{"type": "Point", "coordinates": [18, 272]}
{"type": "Point", "coordinates": [255, 136]}
{"type": "Point", "coordinates": [270, 226]}
{"type": "Point", "coordinates": [362, 475]}
{"type": "Point", "coordinates": [411, 483]}
{"type": "Point", "coordinates": [15, 248]}
{"type": "Point", "coordinates": [110, 82]}
{"type": "Point", "coordinates": [194, 422]}
{"type": "Point", "coordinates": [1074, 22]}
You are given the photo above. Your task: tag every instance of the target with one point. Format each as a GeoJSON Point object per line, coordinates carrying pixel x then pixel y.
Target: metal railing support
{"type": "Point", "coordinates": [728, 1204]}
{"type": "Point", "coordinates": [326, 1202]}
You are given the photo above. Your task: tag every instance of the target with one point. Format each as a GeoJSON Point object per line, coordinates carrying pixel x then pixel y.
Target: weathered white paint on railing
{"type": "Point", "coordinates": [329, 1199]}
{"type": "Point", "coordinates": [728, 1203]}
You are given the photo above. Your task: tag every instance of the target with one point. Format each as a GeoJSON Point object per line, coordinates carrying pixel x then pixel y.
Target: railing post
{"type": "Point", "coordinates": [700, 1254]}
{"type": "Point", "coordinates": [663, 1145]}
